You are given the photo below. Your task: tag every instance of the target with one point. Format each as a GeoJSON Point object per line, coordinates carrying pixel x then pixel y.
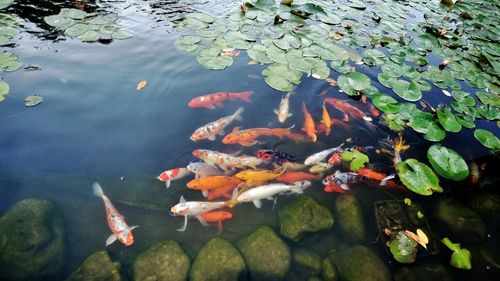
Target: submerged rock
{"type": "Point", "coordinates": [32, 241]}
{"type": "Point", "coordinates": [350, 217]}
{"type": "Point", "coordinates": [329, 271]}
{"type": "Point", "coordinates": [308, 261]}
{"type": "Point", "coordinates": [465, 224]}
{"type": "Point", "coordinates": [423, 272]}
{"type": "Point", "coordinates": [359, 263]}
{"type": "Point", "coordinates": [218, 260]}
{"type": "Point", "coordinates": [304, 215]}
{"type": "Point", "coordinates": [266, 255]}
{"type": "Point", "coordinates": [164, 260]}
{"type": "Point", "coordinates": [97, 267]}
{"type": "Point", "coordinates": [487, 204]}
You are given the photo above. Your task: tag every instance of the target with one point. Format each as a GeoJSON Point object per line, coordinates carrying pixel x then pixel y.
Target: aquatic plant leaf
{"type": "Point", "coordinates": [281, 77]}
{"type": "Point", "coordinates": [492, 99]}
{"type": "Point", "coordinates": [194, 23]}
{"type": "Point", "coordinates": [386, 80]}
{"type": "Point", "coordinates": [287, 42]}
{"type": "Point", "coordinates": [341, 67]}
{"type": "Point", "coordinates": [76, 29]}
{"type": "Point", "coordinates": [461, 257]}
{"type": "Point", "coordinates": [403, 249]}
{"type": "Point", "coordinates": [394, 121]}
{"type": "Point", "coordinates": [374, 57]}
{"type": "Point", "coordinates": [358, 80]}
{"type": "Point", "coordinates": [407, 90]}
{"type": "Point", "coordinates": [487, 139]}
{"type": "Point", "coordinates": [73, 13]}
{"type": "Point", "coordinates": [418, 177]}
{"type": "Point", "coordinates": [276, 54]}
{"type": "Point", "coordinates": [5, 3]}
{"type": "Point", "coordinates": [212, 59]}
{"type": "Point", "coordinates": [279, 83]}
{"type": "Point", "coordinates": [4, 40]}
{"type": "Point", "coordinates": [201, 17]}
{"type": "Point", "coordinates": [89, 36]}
{"type": "Point", "coordinates": [8, 31]}
{"type": "Point", "coordinates": [59, 21]}
{"type": "Point", "coordinates": [447, 163]}
{"type": "Point", "coordinates": [435, 133]}
{"type": "Point", "coordinates": [102, 19]}
{"type": "Point", "coordinates": [33, 100]}
{"type": "Point", "coordinates": [448, 120]}
{"type": "Point", "coordinates": [188, 43]}
{"type": "Point", "coordinates": [328, 18]}
{"type": "Point", "coordinates": [385, 103]}
{"type": "Point", "coordinates": [258, 54]}
{"type": "Point", "coordinates": [426, 41]}
{"type": "Point", "coordinates": [466, 121]}
{"type": "Point", "coordinates": [4, 89]}
{"type": "Point", "coordinates": [357, 159]}
{"type": "Point", "coordinates": [11, 66]}
{"type": "Point", "coordinates": [121, 34]}
{"type": "Point", "coordinates": [7, 57]}
{"type": "Point", "coordinates": [357, 4]}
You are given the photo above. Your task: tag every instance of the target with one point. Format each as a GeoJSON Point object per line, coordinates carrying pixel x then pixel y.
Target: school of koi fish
{"type": "Point", "coordinates": [247, 178]}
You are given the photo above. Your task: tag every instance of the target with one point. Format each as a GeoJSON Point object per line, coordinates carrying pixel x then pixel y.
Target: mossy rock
{"type": "Point", "coordinates": [164, 260]}
{"type": "Point", "coordinates": [465, 224]}
{"type": "Point", "coordinates": [314, 278]}
{"type": "Point", "coordinates": [266, 255]}
{"type": "Point", "coordinates": [359, 263]}
{"type": "Point", "coordinates": [97, 267]}
{"type": "Point", "coordinates": [350, 217]}
{"type": "Point", "coordinates": [304, 215]}
{"type": "Point", "coordinates": [329, 271]}
{"type": "Point", "coordinates": [308, 261]}
{"type": "Point", "coordinates": [486, 204]}
{"type": "Point", "coordinates": [423, 272]}
{"type": "Point", "coordinates": [32, 241]}
{"type": "Point", "coordinates": [218, 260]}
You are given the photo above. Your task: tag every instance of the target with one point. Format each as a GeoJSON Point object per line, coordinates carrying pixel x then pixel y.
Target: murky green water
{"type": "Point", "coordinates": [94, 126]}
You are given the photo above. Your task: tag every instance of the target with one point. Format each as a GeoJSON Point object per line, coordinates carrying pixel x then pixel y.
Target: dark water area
{"type": "Point", "coordinates": [93, 126]}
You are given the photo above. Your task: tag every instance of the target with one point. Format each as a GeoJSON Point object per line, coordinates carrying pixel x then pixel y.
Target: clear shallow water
{"type": "Point", "coordinates": [94, 126]}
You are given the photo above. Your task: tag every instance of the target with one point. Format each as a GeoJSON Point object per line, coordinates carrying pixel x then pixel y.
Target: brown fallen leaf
{"type": "Point", "coordinates": [252, 62]}
{"type": "Point", "coordinates": [420, 240]}
{"type": "Point", "coordinates": [331, 81]}
{"type": "Point", "coordinates": [141, 85]}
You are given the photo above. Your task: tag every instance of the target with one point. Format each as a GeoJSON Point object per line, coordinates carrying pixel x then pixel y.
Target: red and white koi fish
{"type": "Point", "coordinates": [320, 156]}
{"type": "Point", "coordinates": [211, 100]}
{"type": "Point", "coordinates": [173, 174]}
{"type": "Point", "coordinates": [346, 108]}
{"type": "Point", "coordinates": [210, 130]}
{"type": "Point", "coordinates": [116, 222]}
{"type": "Point", "coordinates": [340, 180]}
{"type": "Point", "coordinates": [282, 111]}
{"type": "Point", "coordinates": [226, 161]}
{"type": "Point", "coordinates": [194, 209]}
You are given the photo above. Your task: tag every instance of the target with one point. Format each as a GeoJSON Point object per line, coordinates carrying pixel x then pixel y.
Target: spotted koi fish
{"type": "Point", "coordinates": [211, 100]}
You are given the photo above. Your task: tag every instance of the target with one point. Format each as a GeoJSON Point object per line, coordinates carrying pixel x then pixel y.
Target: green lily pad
{"type": "Point", "coordinates": [4, 40]}
{"type": "Point", "coordinates": [448, 120]}
{"type": "Point", "coordinates": [341, 67]}
{"type": "Point", "coordinates": [487, 139]}
{"type": "Point", "coordinates": [403, 248]}
{"type": "Point", "coordinates": [386, 80]}
{"type": "Point", "coordinates": [357, 159]}
{"type": "Point", "coordinates": [59, 21]}
{"type": "Point", "coordinates": [258, 54]}
{"type": "Point", "coordinates": [212, 59]}
{"type": "Point", "coordinates": [426, 41]}
{"type": "Point", "coordinates": [466, 121]}
{"type": "Point", "coordinates": [276, 54]}
{"type": "Point", "coordinates": [76, 29]}
{"type": "Point", "coordinates": [353, 82]}
{"type": "Point", "coordinates": [8, 31]}
{"type": "Point", "coordinates": [447, 163]}
{"type": "Point", "coordinates": [188, 43]}
{"type": "Point", "coordinates": [385, 103]}
{"type": "Point", "coordinates": [102, 19]}
{"type": "Point", "coordinates": [374, 57]}
{"type": "Point", "coordinates": [461, 257]}
{"type": "Point", "coordinates": [4, 89]}
{"type": "Point", "coordinates": [11, 66]}
{"type": "Point", "coordinates": [121, 34]}
{"type": "Point", "coordinates": [492, 99]}
{"type": "Point", "coordinates": [418, 177]}
{"type": "Point", "coordinates": [202, 17]}
{"type": "Point", "coordinates": [33, 100]}
{"type": "Point", "coordinates": [287, 42]}
{"type": "Point", "coordinates": [407, 90]}
{"type": "Point", "coordinates": [281, 77]}
{"type": "Point", "coordinates": [357, 4]}
{"type": "Point", "coordinates": [73, 13]}
{"type": "Point", "coordinates": [89, 36]}
{"type": "Point", "coordinates": [5, 3]}
{"type": "Point", "coordinates": [394, 121]}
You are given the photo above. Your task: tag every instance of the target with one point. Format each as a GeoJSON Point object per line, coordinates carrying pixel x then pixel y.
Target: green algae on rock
{"type": "Point", "coordinates": [329, 271]}
{"type": "Point", "coordinates": [32, 241]}
{"type": "Point", "coordinates": [423, 272]}
{"type": "Point", "coordinates": [97, 267]}
{"type": "Point", "coordinates": [266, 255]}
{"type": "Point", "coordinates": [359, 263]}
{"type": "Point", "coordinates": [164, 260]}
{"type": "Point", "coordinates": [217, 260]}
{"type": "Point", "coordinates": [304, 215]}
{"type": "Point", "coordinates": [307, 260]}
{"type": "Point", "coordinates": [465, 224]}
{"type": "Point", "coordinates": [350, 218]}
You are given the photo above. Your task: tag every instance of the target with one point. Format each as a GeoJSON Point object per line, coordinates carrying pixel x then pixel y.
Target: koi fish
{"type": "Point", "coordinates": [325, 120]}
{"type": "Point", "coordinates": [201, 170]}
{"type": "Point", "coordinates": [374, 111]}
{"type": "Point", "coordinates": [282, 111]}
{"type": "Point", "coordinates": [212, 182]}
{"type": "Point", "coordinates": [253, 178]}
{"type": "Point", "coordinates": [116, 222]}
{"type": "Point", "coordinates": [218, 217]}
{"type": "Point", "coordinates": [173, 174]}
{"type": "Point", "coordinates": [273, 156]}
{"type": "Point", "coordinates": [309, 126]}
{"type": "Point", "coordinates": [336, 158]}
{"type": "Point", "coordinates": [210, 130]}
{"type": "Point", "coordinates": [247, 137]}
{"type": "Point", "coordinates": [224, 161]}
{"type": "Point", "coordinates": [224, 191]}
{"type": "Point", "coordinates": [374, 175]}
{"type": "Point", "coordinates": [320, 168]}
{"type": "Point", "coordinates": [320, 156]}
{"type": "Point", "coordinates": [291, 177]}
{"type": "Point", "coordinates": [194, 209]}
{"type": "Point", "coordinates": [256, 194]}
{"type": "Point", "coordinates": [346, 108]}
{"type": "Point", "coordinates": [211, 100]}
{"type": "Point", "coordinates": [339, 179]}
{"type": "Point", "coordinates": [249, 161]}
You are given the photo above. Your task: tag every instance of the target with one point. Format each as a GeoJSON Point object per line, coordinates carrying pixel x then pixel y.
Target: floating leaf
{"type": "Point", "coordinates": [73, 13]}
{"type": "Point", "coordinates": [258, 54]}
{"type": "Point", "coordinates": [357, 159]}
{"type": "Point", "coordinates": [59, 21]}
{"type": "Point", "coordinates": [141, 85]}
{"type": "Point", "coordinates": [460, 258]}
{"type": "Point", "coordinates": [8, 31]}
{"type": "Point", "coordinates": [385, 103]}
{"type": "Point", "coordinates": [353, 82]}
{"type": "Point", "coordinates": [403, 249]}
{"type": "Point", "coordinates": [188, 43]}
{"type": "Point", "coordinates": [5, 3]}
{"type": "Point", "coordinates": [4, 89]}
{"type": "Point", "coordinates": [418, 177]}
{"type": "Point", "coordinates": [407, 90]}
{"type": "Point", "coordinates": [426, 41]}
{"type": "Point", "coordinates": [212, 59]}
{"type": "Point", "coordinates": [447, 163]}
{"type": "Point", "coordinates": [102, 19]}
{"type": "Point", "coordinates": [33, 100]}
{"type": "Point", "coordinates": [11, 66]}
{"type": "Point", "coordinates": [281, 77]}
{"type": "Point", "coordinates": [121, 34]}
{"type": "Point", "coordinates": [487, 139]}
{"type": "Point", "coordinates": [374, 57]}
{"type": "Point", "coordinates": [202, 17]}
{"type": "Point", "coordinates": [76, 29]}
{"type": "Point", "coordinates": [448, 120]}
{"type": "Point", "coordinates": [492, 99]}
{"type": "Point", "coordinates": [386, 80]}
{"type": "Point", "coordinates": [89, 36]}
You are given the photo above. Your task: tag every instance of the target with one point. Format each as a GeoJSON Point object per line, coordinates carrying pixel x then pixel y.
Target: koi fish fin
{"type": "Point", "coordinates": [219, 224]}
{"type": "Point", "coordinates": [167, 183]}
{"type": "Point", "coordinates": [212, 137]}
{"type": "Point", "coordinates": [197, 176]}
{"type": "Point", "coordinates": [276, 112]}
{"type": "Point", "coordinates": [257, 203]}
{"type": "Point", "coordinates": [346, 118]}
{"type": "Point", "coordinates": [202, 220]}
{"type": "Point", "coordinates": [209, 106]}
{"type": "Point", "coordinates": [237, 114]}
{"type": "Point", "coordinates": [344, 186]}
{"type": "Point", "coordinates": [112, 238]}
{"type": "Point", "coordinates": [219, 104]}
{"type": "Point", "coordinates": [182, 200]}
{"type": "Point", "coordinates": [134, 227]}
{"type": "Point", "coordinates": [183, 228]}
{"type": "Point", "coordinates": [221, 133]}
{"type": "Point", "coordinates": [366, 118]}
{"type": "Point", "coordinates": [204, 192]}
{"type": "Point", "coordinates": [97, 189]}
{"type": "Point", "coordinates": [386, 179]}
{"type": "Point", "coordinates": [245, 96]}
{"type": "Point", "coordinates": [289, 115]}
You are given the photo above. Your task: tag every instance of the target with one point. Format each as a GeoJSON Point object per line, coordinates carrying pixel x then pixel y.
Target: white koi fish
{"type": "Point", "coordinates": [320, 156]}
{"type": "Point", "coordinates": [116, 222]}
{"type": "Point", "coordinates": [202, 169]}
{"type": "Point", "coordinates": [194, 209]}
{"type": "Point", "coordinates": [225, 161]}
{"type": "Point", "coordinates": [283, 108]}
{"type": "Point", "coordinates": [210, 130]}
{"type": "Point", "coordinates": [173, 174]}
{"type": "Point", "coordinates": [266, 192]}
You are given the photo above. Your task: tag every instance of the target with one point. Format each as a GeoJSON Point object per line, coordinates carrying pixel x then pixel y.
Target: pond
{"type": "Point", "coordinates": [432, 83]}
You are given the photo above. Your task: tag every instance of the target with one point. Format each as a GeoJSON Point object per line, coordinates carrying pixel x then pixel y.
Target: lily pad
{"type": "Point", "coordinates": [5, 3]}
{"type": "Point", "coordinates": [258, 54]}
{"type": "Point", "coordinates": [89, 36]}
{"type": "Point", "coordinates": [212, 59]}
{"type": "Point", "coordinates": [407, 90]}
{"type": "Point", "coordinates": [357, 159]}
{"type": "Point", "coordinates": [427, 41]}
{"type": "Point", "coordinates": [353, 82]}
{"type": "Point", "coordinates": [8, 31]}
{"type": "Point", "coordinates": [487, 139]}
{"type": "Point", "coordinates": [201, 17]}
{"type": "Point", "coordinates": [448, 120]}
{"type": "Point", "coordinates": [403, 248]}
{"type": "Point", "coordinates": [385, 103]}
{"type": "Point", "coordinates": [33, 100]}
{"type": "Point", "coordinates": [447, 163]}
{"type": "Point", "coordinates": [73, 13]}
{"type": "Point", "coordinates": [4, 89]}
{"type": "Point", "coordinates": [76, 29]}
{"type": "Point", "coordinates": [374, 57]}
{"type": "Point", "coordinates": [11, 66]}
{"type": "Point", "coordinates": [121, 34]}
{"type": "Point", "coordinates": [418, 177]}
{"type": "Point", "coordinates": [281, 77]}
{"type": "Point", "coordinates": [59, 21]}
{"type": "Point", "coordinates": [188, 43]}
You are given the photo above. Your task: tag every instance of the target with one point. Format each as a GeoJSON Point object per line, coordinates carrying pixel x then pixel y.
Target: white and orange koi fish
{"type": "Point", "coordinates": [256, 194]}
{"type": "Point", "coordinates": [173, 174]}
{"type": "Point", "coordinates": [210, 130]}
{"type": "Point", "coordinates": [194, 209]}
{"type": "Point", "coordinates": [282, 111]}
{"type": "Point", "coordinates": [202, 169]}
{"type": "Point", "coordinates": [226, 161]}
{"type": "Point", "coordinates": [116, 222]}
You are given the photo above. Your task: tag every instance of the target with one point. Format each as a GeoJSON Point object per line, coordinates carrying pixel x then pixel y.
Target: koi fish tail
{"type": "Point", "coordinates": [237, 114]}
{"type": "Point", "coordinates": [386, 179]}
{"type": "Point", "coordinates": [285, 132]}
{"type": "Point", "coordinates": [233, 201]}
{"type": "Point", "coordinates": [245, 96]}
{"type": "Point", "coordinates": [97, 190]}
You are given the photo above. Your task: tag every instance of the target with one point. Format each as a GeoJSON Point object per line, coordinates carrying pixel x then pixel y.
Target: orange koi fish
{"type": "Point", "coordinates": [374, 175]}
{"type": "Point", "coordinates": [224, 191]}
{"type": "Point", "coordinates": [211, 100]}
{"type": "Point", "coordinates": [253, 178]}
{"type": "Point", "coordinates": [116, 222]}
{"type": "Point", "coordinates": [347, 109]}
{"type": "Point", "coordinates": [212, 182]}
{"type": "Point", "coordinates": [173, 174]}
{"type": "Point", "coordinates": [325, 120]}
{"type": "Point", "coordinates": [309, 126]}
{"type": "Point", "coordinates": [218, 217]}
{"type": "Point", "coordinates": [292, 177]}
{"type": "Point", "coordinates": [247, 137]}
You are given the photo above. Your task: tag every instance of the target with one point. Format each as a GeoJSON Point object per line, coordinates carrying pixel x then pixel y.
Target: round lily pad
{"type": "Point", "coordinates": [447, 163]}
{"type": "Point", "coordinates": [4, 88]}
{"type": "Point", "coordinates": [11, 66]}
{"type": "Point", "coordinates": [448, 120]}
{"type": "Point", "coordinates": [33, 100]}
{"type": "Point", "coordinates": [353, 82]}
{"type": "Point", "coordinates": [59, 21]}
{"type": "Point", "coordinates": [188, 43]}
{"type": "Point", "coordinates": [73, 13]}
{"type": "Point", "coordinates": [201, 17]}
{"type": "Point", "coordinates": [76, 29]}
{"type": "Point", "coordinates": [403, 248]}
{"type": "Point", "coordinates": [89, 36]}
{"type": "Point", "coordinates": [212, 59]}
{"type": "Point", "coordinates": [407, 90]}
{"type": "Point", "coordinates": [385, 103]}
{"type": "Point", "coordinates": [418, 177]}
{"type": "Point", "coordinates": [487, 139]}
